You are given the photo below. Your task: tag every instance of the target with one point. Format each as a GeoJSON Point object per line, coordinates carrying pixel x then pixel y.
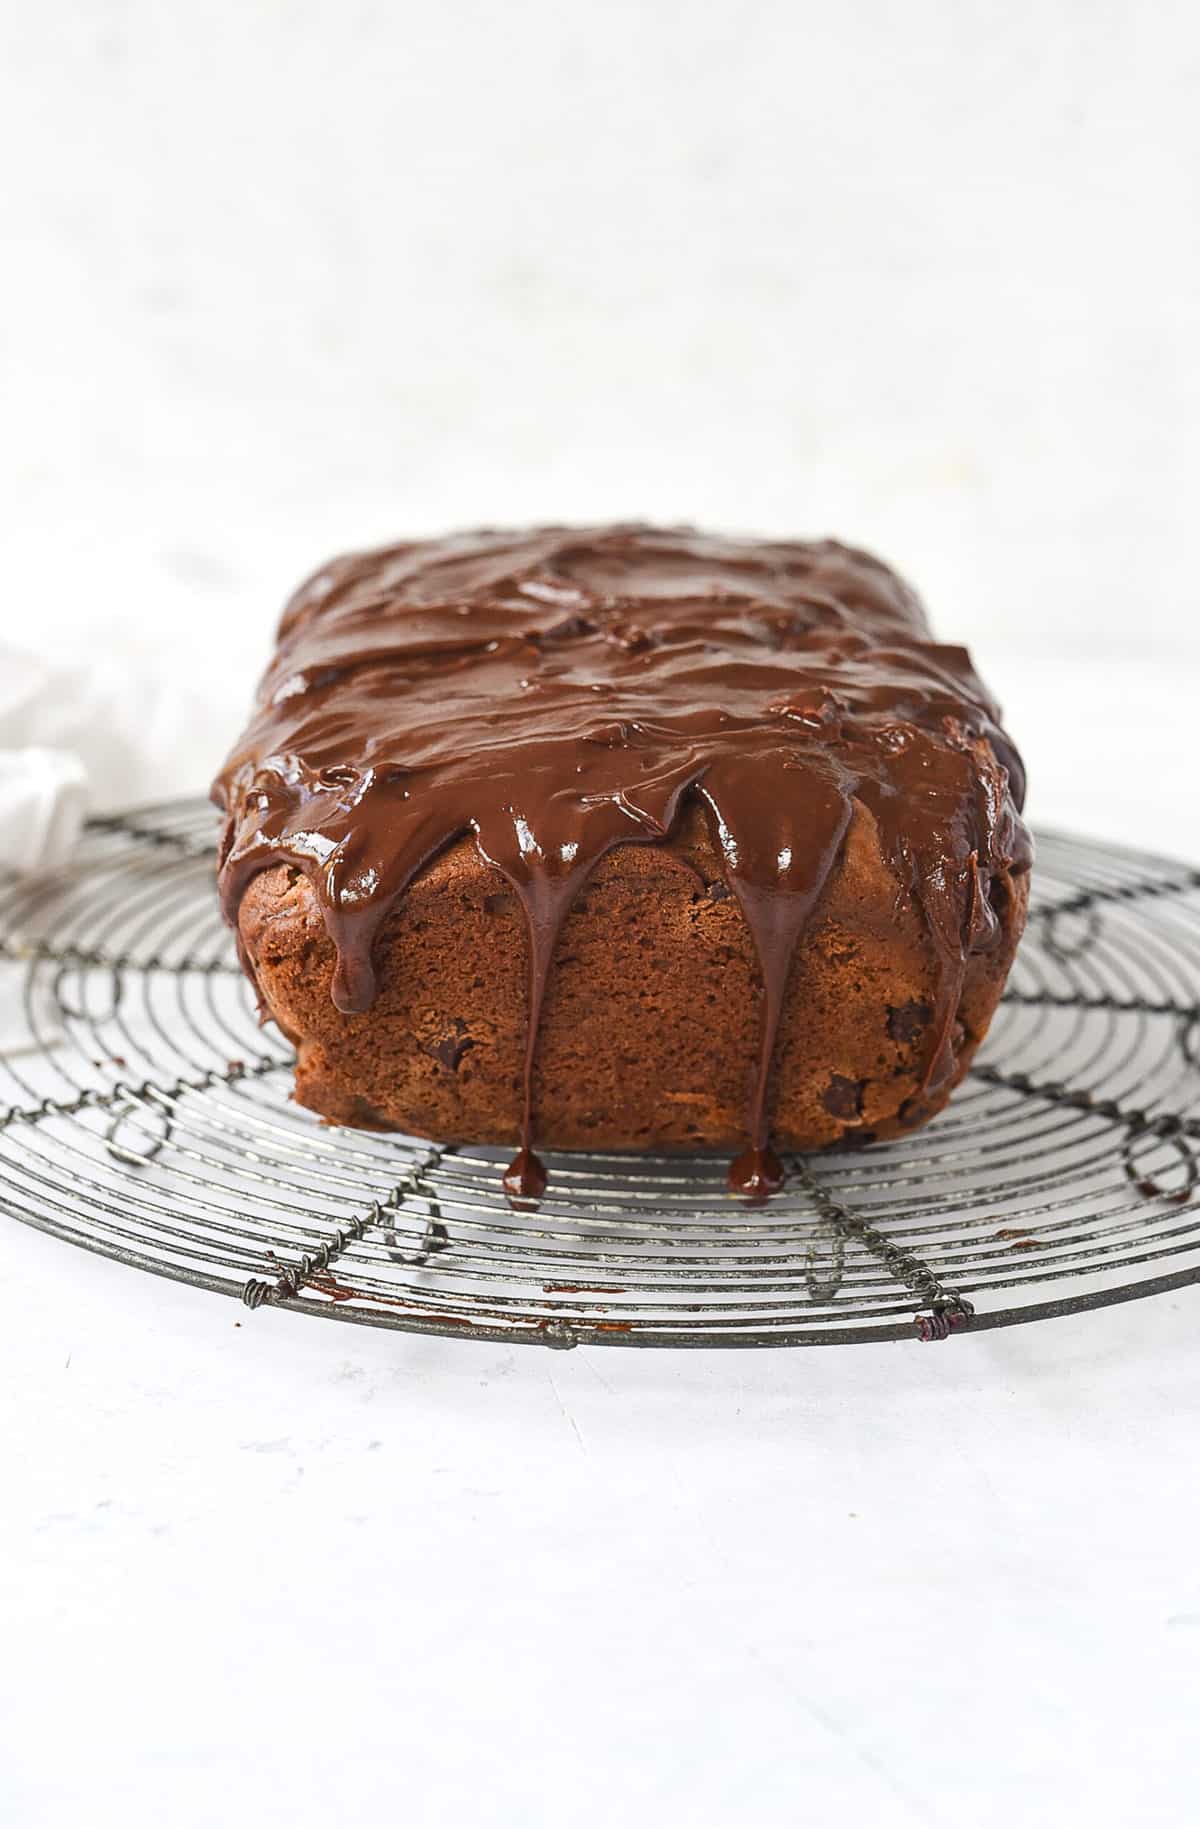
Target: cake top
{"type": "Point", "coordinates": [559, 692]}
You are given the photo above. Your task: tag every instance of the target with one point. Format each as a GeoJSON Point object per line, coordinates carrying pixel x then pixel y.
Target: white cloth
{"type": "Point", "coordinates": [43, 804]}
{"type": "Point", "coordinates": [76, 740]}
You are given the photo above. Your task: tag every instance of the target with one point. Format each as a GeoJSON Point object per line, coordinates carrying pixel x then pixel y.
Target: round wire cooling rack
{"type": "Point", "coordinates": [145, 1115]}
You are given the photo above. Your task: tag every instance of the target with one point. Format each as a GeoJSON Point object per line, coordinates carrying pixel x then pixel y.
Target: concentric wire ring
{"type": "Point", "coordinates": [145, 1115]}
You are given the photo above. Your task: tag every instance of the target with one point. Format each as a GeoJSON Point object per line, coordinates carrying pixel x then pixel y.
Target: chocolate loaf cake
{"type": "Point", "coordinates": [623, 839]}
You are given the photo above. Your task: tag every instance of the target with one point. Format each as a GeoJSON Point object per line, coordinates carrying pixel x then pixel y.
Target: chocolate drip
{"type": "Point", "coordinates": [548, 873]}
{"type": "Point", "coordinates": [778, 864]}
{"type": "Point", "coordinates": [558, 693]}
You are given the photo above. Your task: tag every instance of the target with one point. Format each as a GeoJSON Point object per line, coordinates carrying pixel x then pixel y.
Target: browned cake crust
{"type": "Point", "coordinates": [747, 832]}
{"type": "Point", "coordinates": [650, 1030]}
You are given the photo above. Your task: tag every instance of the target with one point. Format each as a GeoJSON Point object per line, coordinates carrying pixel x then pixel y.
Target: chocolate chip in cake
{"type": "Point", "coordinates": [842, 1098]}
{"type": "Point", "coordinates": [451, 1048]}
{"type": "Point", "coordinates": [906, 1021]}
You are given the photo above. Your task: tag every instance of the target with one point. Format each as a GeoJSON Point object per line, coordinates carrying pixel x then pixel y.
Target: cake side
{"type": "Point", "coordinates": [649, 1035]}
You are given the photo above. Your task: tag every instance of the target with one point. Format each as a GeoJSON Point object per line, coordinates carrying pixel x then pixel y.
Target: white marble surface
{"type": "Point", "coordinates": [271, 1570]}
{"type": "Point", "coordinates": [292, 277]}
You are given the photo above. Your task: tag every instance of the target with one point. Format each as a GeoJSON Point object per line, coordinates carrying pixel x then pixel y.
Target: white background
{"type": "Point", "coordinates": [287, 278]}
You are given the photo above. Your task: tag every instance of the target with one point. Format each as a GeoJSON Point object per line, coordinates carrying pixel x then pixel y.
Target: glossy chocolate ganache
{"type": "Point", "coordinates": [560, 692]}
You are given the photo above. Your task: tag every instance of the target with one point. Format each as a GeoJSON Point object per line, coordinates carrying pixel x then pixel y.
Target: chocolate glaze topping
{"type": "Point", "coordinates": [560, 692]}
